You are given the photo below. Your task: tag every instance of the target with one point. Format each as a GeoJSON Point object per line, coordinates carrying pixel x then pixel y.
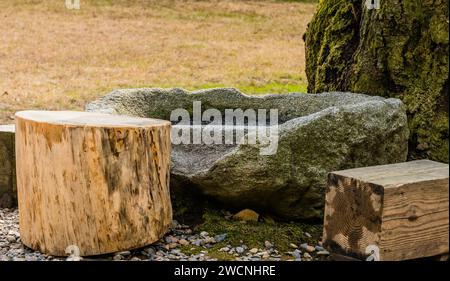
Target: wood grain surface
{"type": "Point", "coordinates": [96, 181]}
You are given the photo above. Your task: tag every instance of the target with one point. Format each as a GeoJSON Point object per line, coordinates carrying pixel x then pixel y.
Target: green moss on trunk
{"type": "Point", "coordinates": [400, 50]}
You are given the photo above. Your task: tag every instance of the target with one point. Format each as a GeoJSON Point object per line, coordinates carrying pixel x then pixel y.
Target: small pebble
{"type": "Point", "coordinates": [323, 253]}
{"type": "Point", "coordinates": [310, 249]}
{"type": "Point", "coordinates": [319, 248]}
{"type": "Point", "coordinates": [307, 247]}
{"type": "Point", "coordinates": [124, 253]}
{"type": "Point", "coordinates": [296, 254]}
{"type": "Point", "coordinates": [292, 245]}
{"type": "Point", "coordinates": [220, 237]}
{"type": "Point", "coordinates": [209, 240]}
{"type": "Point", "coordinates": [14, 233]}
{"type": "Point", "coordinates": [15, 246]}
{"type": "Point", "coordinates": [197, 242]}
{"type": "Point", "coordinates": [183, 242]}
{"type": "Point", "coordinates": [268, 245]}
{"type": "Point", "coordinates": [254, 250]}
{"type": "Point", "coordinates": [10, 238]}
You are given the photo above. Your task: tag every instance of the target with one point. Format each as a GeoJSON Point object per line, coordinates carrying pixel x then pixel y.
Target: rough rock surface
{"type": "Point", "coordinates": [8, 193]}
{"type": "Point", "coordinates": [318, 133]}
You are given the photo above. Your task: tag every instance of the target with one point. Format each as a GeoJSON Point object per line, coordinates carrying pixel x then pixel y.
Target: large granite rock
{"type": "Point", "coordinates": [317, 133]}
{"type": "Point", "coordinates": [8, 192]}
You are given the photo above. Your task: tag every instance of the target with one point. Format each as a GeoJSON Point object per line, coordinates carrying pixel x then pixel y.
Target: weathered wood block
{"type": "Point", "coordinates": [95, 181]}
{"type": "Point", "coordinates": [8, 192]}
{"type": "Point", "coordinates": [395, 212]}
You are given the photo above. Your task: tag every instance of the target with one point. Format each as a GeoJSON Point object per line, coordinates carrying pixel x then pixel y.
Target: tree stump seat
{"type": "Point", "coordinates": [95, 181]}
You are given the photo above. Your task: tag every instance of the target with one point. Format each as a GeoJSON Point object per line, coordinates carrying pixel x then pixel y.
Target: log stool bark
{"type": "Point", "coordinates": [96, 181]}
{"type": "Point", "coordinates": [388, 212]}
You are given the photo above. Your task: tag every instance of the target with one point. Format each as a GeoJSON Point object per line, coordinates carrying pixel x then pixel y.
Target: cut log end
{"type": "Point", "coordinates": [397, 211]}
{"type": "Point", "coordinates": [90, 119]}
{"type": "Point", "coordinates": [352, 215]}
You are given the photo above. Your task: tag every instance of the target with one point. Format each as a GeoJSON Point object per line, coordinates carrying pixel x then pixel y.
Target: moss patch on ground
{"type": "Point", "coordinates": [202, 214]}
{"type": "Point", "coordinates": [254, 234]}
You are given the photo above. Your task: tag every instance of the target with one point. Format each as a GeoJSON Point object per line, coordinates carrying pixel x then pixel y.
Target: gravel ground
{"type": "Point", "coordinates": [167, 249]}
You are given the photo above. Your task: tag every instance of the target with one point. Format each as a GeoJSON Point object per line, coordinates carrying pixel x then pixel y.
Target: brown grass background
{"type": "Point", "coordinates": [55, 58]}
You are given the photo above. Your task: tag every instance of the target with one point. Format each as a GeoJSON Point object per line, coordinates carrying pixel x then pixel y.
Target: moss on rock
{"type": "Point", "coordinates": [400, 50]}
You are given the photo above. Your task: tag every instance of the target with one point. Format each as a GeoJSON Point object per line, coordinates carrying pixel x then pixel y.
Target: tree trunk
{"type": "Point", "coordinates": [98, 182]}
{"type": "Point", "coordinates": [400, 50]}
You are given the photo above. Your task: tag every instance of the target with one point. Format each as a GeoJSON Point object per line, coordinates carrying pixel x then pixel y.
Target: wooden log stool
{"type": "Point", "coordinates": [388, 212]}
{"type": "Point", "coordinates": [95, 181]}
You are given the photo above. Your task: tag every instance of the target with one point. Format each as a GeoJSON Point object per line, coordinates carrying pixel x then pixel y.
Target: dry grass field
{"type": "Point", "coordinates": [55, 58]}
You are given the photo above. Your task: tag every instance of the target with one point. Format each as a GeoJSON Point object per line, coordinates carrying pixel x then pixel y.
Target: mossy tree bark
{"type": "Point", "coordinates": [400, 50]}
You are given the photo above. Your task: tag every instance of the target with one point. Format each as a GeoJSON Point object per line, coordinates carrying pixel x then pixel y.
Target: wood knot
{"type": "Point", "coordinates": [412, 213]}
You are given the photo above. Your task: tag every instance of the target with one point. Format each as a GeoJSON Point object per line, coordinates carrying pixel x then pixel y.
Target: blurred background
{"type": "Point", "coordinates": [52, 57]}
